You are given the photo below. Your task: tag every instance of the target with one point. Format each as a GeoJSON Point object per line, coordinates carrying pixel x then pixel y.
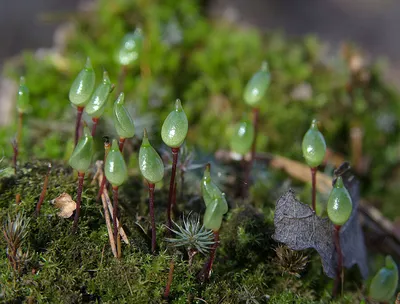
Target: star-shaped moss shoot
{"type": "Point", "coordinates": [98, 101]}
{"type": "Point", "coordinates": [81, 90]}
{"type": "Point", "coordinates": [242, 137]}
{"type": "Point", "coordinates": [339, 209]}
{"type": "Point", "coordinates": [173, 134]}
{"type": "Point", "coordinates": [152, 168]}
{"type": "Point", "coordinates": [116, 173]}
{"type": "Point", "coordinates": [23, 107]}
{"type": "Point", "coordinates": [130, 48]}
{"type": "Point", "coordinates": [384, 283]}
{"type": "Point", "coordinates": [314, 149]}
{"type": "Point", "coordinates": [123, 121]}
{"type": "Point", "coordinates": [80, 160]}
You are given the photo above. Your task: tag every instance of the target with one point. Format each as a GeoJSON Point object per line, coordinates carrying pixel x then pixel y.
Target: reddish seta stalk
{"type": "Point", "coordinates": [44, 190]}
{"type": "Point", "coordinates": [95, 121]}
{"type": "Point", "coordinates": [15, 154]}
{"type": "Point", "coordinates": [170, 277]}
{"type": "Point", "coordinates": [152, 217]}
{"type": "Point", "coordinates": [115, 212]}
{"type": "Point", "coordinates": [81, 176]}
{"type": "Point", "coordinates": [19, 134]}
{"type": "Point", "coordinates": [210, 261]}
{"type": "Point", "coordinates": [175, 152]}
{"type": "Point", "coordinates": [78, 123]}
{"type": "Point", "coordinates": [256, 112]}
{"type": "Point", "coordinates": [314, 188]}
{"type": "Point", "coordinates": [339, 270]}
{"type": "Point", "coordinates": [121, 143]}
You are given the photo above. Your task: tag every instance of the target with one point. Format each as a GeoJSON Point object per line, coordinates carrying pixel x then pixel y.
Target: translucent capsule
{"type": "Point", "coordinates": [257, 86]}
{"type": "Point", "coordinates": [339, 205]}
{"type": "Point", "coordinates": [130, 48]}
{"type": "Point", "coordinates": [115, 167]}
{"type": "Point", "coordinates": [98, 100]}
{"type": "Point", "coordinates": [81, 157]}
{"type": "Point", "coordinates": [213, 216]}
{"type": "Point", "coordinates": [123, 121]}
{"type": "Point", "coordinates": [83, 86]}
{"type": "Point", "coordinates": [150, 163]}
{"type": "Point", "coordinates": [175, 127]}
{"type": "Point", "coordinates": [314, 146]}
{"type": "Point", "coordinates": [384, 283]}
{"type": "Point", "coordinates": [242, 137]}
{"type": "Point", "coordinates": [23, 105]}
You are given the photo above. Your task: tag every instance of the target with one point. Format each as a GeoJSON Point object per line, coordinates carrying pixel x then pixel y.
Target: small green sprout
{"type": "Point", "coordinates": [257, 86]}
{"type": "Point", "coordinates": [314, 146]}
{"type": "Point", "coordinates": [384, 283]}
{"type": "Point", "coordinates": [23, 100]}
{"type": "Point", "coordinates": [339, 205]}
{"type": "Point", "coordinates": [130, 48]}
{"type": "Point", "coordinates": [242, 137]}
{"type": "Point", "coordinates": [123, 121]}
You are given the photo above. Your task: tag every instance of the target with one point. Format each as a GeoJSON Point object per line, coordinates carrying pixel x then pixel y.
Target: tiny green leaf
{"type": "Point", "coordinates": [384, 283]}
{"type": "Point", "coordinates": [115, 167]}
{"type": "Point", "coordinates": [83, 85]}
{"type": "Point", "coordinates": [314, 146]}
{"type": "Point", "coordinates": [242, 137]}
{"type": "Point", "coordinates": [98, 100]}
{"type": "Point", "coordinates": [123, 121]}
{"type": "Point", "coordinates": [175, 127]}
{"type": "Point", "coordinates": [130, 48]}
{"type": "Point", "coordinates": [150, 163]}
{"type": "Point", "coordinates": [257, 86]}
{"type": "Point", "coordinates": [339, 203]}
{"type": "Point", "coordinates": [82, 156]}
{"type": "Point", "coordinates": [23, 105]}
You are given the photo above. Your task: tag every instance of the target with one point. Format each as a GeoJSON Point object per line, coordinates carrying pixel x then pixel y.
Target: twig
{"type": "Point", "coordinates": [44, 190]}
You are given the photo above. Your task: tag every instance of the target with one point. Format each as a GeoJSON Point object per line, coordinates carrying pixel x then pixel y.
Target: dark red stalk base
{"type": "Point", "coordinates": [152, 217]}
{"type": "Point", "coordinates": [78, 123]}
{"type": "Point", "coordinates": [19, 134]}
{"type": "Point", "coordinates": [95, 121]}
{"type": "Point", "coordinates": [340, 260]}
{"type": "Point", "coordinates": [170, 277]}
{"type": "Point", "coordinates": [314, 188]}
{"type": "Point", "coordinates": [44, 190]}
{"type": "Point", "coordinates": [121, 143]}
{"type": "Point", "coordinates": [81, 176]}
{"type": "Point", "coordinates": [256, 112]}
{"type": "Point", "coordinates": [175, 152]}
{"type": "Point", "coordinates": [208, 265]}
{"type": "Point", "coordinates": [15, 154]}
{"type": "Point", "coordinates": [115, 213]}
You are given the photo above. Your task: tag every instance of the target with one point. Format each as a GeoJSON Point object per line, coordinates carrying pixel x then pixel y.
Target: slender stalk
{"type": "Point", "coordinates": [44, 190]}
{"type": "Point", "coordinates": [81, 176]}
{"type": "Point", "coordinates": [107, 146]}
{"type": "Point", "coordinates": [121, 78]}
{"type": "Point", "coordinates": [314, 187]}
{"type": "Point", "coordinates": [208, 265]}
{"type": "Point", "coordinates": [15, 154]}
{"type": "Point", "coordinates": [17, 198]}
{"type": "Point", "coordinates": [256, 112]}
{"type": "Point", "coordinates": [152, 218]}
{"type": "Point", "coordinates": [115, 212]}
{"type": "Point", "coordinates": [175, 152]}
{"type": "Point", "coordinates": [339, 270]}
{"type": "Point", "coordinates": [121, 143]}
{"type": "Point", "coordinates": [95, 121]}
{"type": "Point", "coordinates": [19, 134]}
{"type": "Point", "coordinates": [170, 277]}
{"type": "Point", "coordinates": [78, 123]}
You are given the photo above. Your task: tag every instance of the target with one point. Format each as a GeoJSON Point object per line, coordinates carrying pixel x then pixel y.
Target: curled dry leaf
{"type": "Point", "coordinates": [66, 204]}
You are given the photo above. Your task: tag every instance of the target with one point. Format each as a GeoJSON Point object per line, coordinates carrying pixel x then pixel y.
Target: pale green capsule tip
{"type": "Point", "coordinates": [88, 64]}
{"type": "Point", "coordinates": [22, 81]}
{"type": "Point", "coordinates": [121, 99]}
{"type": "Point", "coordinates": [314, 125]}
{"type": "Point", "coordinates": [145, 141]}
{"type": "Point", "coordinates": [86, 132]}
{"type": "Point", "coordinates": [106, 78]}
{"type": "Point", "coordinates": [207, 173]}
{"type": "Point", "coordinates": [339, 182]}
{"type": "Point", "coordinates": [390, 263]}
{"type": "Point", "coordinates": [264, 66]}
{"type": "Point", "coordinates": [178, 105]}
{"type": "Point", "coordinates": [115, 146]}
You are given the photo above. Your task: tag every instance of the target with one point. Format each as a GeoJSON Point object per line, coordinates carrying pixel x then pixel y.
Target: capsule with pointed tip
{"type": "Point", "coordinates": [81, 158]}
{"type": "Point", "coordinates": [257, 86]}
{"type": "Point", "coordinates": [314, 146]}
{"type": "Point", "coordinates": [130, 48]}
{"type": "Point", "coordinates": [123, 121]}
{"type": "Point", "coordinates": [98, 101]}
{"type": "Point", "coordinates": [23, 105]}
{"type": "Point", "coordinates": [175, 127]}
{"type": "Point", "coordinates": [242, 137]}
{"type": "Point", "coordinates": [384, 283]}
{"type": "Point", "coordinates": [83, 86]}
{"type": "Point", "coordinates": [115, 167]}
{"type": "Point", "coordinates": [150, 163]}
{"type": "Point", "coordinates": [339, 205]}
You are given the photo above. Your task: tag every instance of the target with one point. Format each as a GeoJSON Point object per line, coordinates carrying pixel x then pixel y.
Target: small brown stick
{"type": "Point", "coordinates": [314, 187]}
{"type": "Point", "coordinates": [115, 211]}
{"type": "Point", "coordinates": [17, 198]}
{"type": "Point", "coordinates": [208, 266]}
{"type": "Point", "coordinates": [175, 152]}
{"type": "Point", "coordinates": [107, 147]}
{"type": "Point", "coordinates": [78, 123]}
{"type": "Point", "coordinates": [152, 217]}
{"type": "Point", "coordinates": [170, 277]}
{"type": "Point", "coordinates": [81, 177]}
{"type": "Point", "coordinates": [121, 143]}
{"type": "Point", "coordinates": [44, 190]}
{"type": "Point", "coordinates": [15, 154]}
{"type": "Point", "coordinates": [339, 271]}
{"type": "Point", "coordinates": [95, 121]}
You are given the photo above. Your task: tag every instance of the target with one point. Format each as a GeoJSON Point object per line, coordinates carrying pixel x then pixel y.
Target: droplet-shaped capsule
{"type": "Point", "coordinates": [23, 105]}
{"type": "Point", "coordinates": [123, 121]}
{"type": "Point", "coordinates": [314, 146]}
{"type": "Point", "coordinates": [150, 163]}
{"type": "Point", "coordinates": [98, 100]}
{"type": "Point", "coordinates": [130, 48]}
{"type": "Point", "coordinates": [257, 86]}
{"type": "Point", "coordinates": [242, 137]}
{"type": "Point", "coordinates": [214, 215]}
{"type": "Point", "coordinates": [83, 86]}
{"type": "Point", "coordinates": [339, 205]}
{"type": "Point", "coordinates": [175, 127]}
{"type": "Point", "coordinates": [384, 283]}
{"type": "Point", "coordinates": [81, 158]}
{"type": "Point", "coordinates": [115, 167]}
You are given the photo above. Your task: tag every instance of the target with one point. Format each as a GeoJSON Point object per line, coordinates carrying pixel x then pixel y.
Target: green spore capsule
{"type": "Point", "coordinates": [123, 121]}
{"type": "Point", "coordinates": [257, 86]}
{"type": "Point", "coordinates": [314, 146]}
{"type": "Point", "coordinates": [130, 48]}
{"type": "Point", "coordinates": [81, 158]}
{"type": "Point", "coordinates": [115, 167]}
{"type": "Point", "coordinates": [98, 100]}
{"type": "Point", "coordinates": [213, 216]}
{"type": "Point", "coordinates": [150, 163]}
{"type": "Point", "coordinates": [175, 127]}
{"type": "Point", "coordinates": [339, 205]}
{"type": "Point", "coordinates": [242, 137]}
{"type": "Point", "coordinates": [23, 105]}
{"type": "Point", "coordinates": [384, 283]}
{"type": "Point", "coordinates": [83, 86]}
{"type": "Point", "coordinates": [211, 192]}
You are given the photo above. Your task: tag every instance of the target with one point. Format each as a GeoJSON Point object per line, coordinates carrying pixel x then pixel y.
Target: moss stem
{"type": "Point", "coordinates": [121, 143]}
{"type": "Point", "coordinates": [256, 112]}
{"type": "Point", "coordinates": [314, 187]}
{"type": "Point", "coordinates": [95, 121]}
{"type": "Point", "coordinates": [115, 213]}
{"type": "Point", "coordinates": [175, 152]}
{"type": "Point", "coordinates": [121, 78]}
{"type": "Point", "coordinates": [78, 123]}
{"type": "Point", "coordinates": [339, 269]}
{"type": "Point", "coordinates": [208, 265]}
{"type": "Point", "coordinates": [81, 176]}
{"type": "Point", "coordinates": [44, 190]}
{"type": "Point", "coordinates": [170, 277]}
{"type": "Point", "coordinates": [15, 154]}
{"type": "Point", "coordinates": [20, 124]}
{"type": "Point", "coordinates": [152, 217]}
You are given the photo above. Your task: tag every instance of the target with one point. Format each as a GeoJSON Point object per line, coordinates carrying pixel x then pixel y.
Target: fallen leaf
{"type": "Point", "coordinates": [66, 205]}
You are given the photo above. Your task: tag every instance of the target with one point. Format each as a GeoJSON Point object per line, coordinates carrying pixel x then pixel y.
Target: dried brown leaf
{"type": "Point", "coordinates": [66, 204]}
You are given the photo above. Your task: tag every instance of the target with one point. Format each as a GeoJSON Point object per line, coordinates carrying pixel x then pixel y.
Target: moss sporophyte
{"type": "Point", "coordinates": [23, 107]}
{"type": "Point", "coordinates": [123, 121]}
{"type": "Point", "coordinates": [242, 137]}
{"type": "Point", "coordinates": [384, 284]}
{"type": "Point", "coordinates": [80, 160]}
{"type": "Point", "coordinates": [152, 168]}
{"type": "Point", "coordinates": [81, 90]}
